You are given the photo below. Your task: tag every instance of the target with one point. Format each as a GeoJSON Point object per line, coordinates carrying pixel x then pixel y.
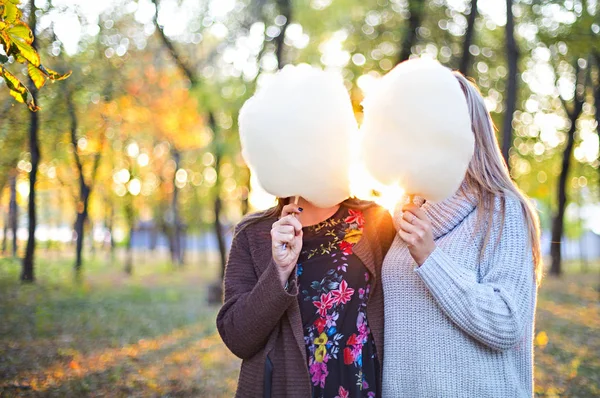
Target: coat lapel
{"type": "Point", "coordinates": [293, 311]}
{"type": "Point", "coordinates": [364, 248]}
{"type": "Point", "coordinates": [295, 318]}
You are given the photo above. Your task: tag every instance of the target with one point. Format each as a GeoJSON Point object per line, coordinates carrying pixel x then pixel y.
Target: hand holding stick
{"type": "Point", "coordinates": [415, 229]}
{"type": "Point", "coordinates": [286, 238]}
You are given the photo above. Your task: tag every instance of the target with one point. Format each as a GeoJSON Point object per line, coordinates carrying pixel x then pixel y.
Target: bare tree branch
{"type": "Point", "coordinates": [73, 134]}
{"type": "Point", "coordinates": [187, 69]}
{"type": "Point", "coordinates": [416, 9]}
{"type": "Point", "coordinates": [561, 193]}
{"type": "Point", "coordinates": [285, 8]}
{"type": "Point", "coordinates": [512, 53]}
{"type": "Point", "coordinates": [465, 61]}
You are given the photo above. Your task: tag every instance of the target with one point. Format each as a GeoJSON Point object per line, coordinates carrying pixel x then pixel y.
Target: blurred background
{"type": "Point", "coordinates": [118, 197]}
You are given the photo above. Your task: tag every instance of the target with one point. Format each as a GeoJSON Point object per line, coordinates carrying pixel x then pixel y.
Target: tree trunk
{"type": "Point", "coordinates": [285, 9]}
{"type": "Point", "coordinates": [176, 246]}
{"type": "Point", "coordinates": [84, 189]}
{"type": "Point", "coordinates": [582, 248]}
{"type": "Point", "coordinates": [194, 79]}
{"type": "Point", "coordinates": [5, 233]}
{"type": "Point", "coordinates": [512, 57]}
{"type": "Point", "coordinates": [416, 9]}
{"type": "Point", "coordinates": [80, 221]}
{"type": "Point", "coordinates": [129, 248]}
{"type": "Point", "coordinates": [558, 221]}
{"type": "Point", "coordinates": [153, 238]}
{"type": "Point", "coordinates": [220, 236]}
{"type": "Point", "coordinates": [27, 274]}
{"type": "Point", "coordinates": [109, 216]}
{"type": "Point", "coordinates": [218, 228]}
{"type": "Point", "coordinates": [90, 228]}
{"type": "Point", "coordinates": [13, 214]}
{"type": "Point", "coordinates": [465, 61]}
{"type": "Point", "coordinates": [597, 99]}
{"type": "Point", "coordinates": [246, 195]}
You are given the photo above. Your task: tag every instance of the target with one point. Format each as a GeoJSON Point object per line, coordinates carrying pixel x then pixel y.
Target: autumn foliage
{"type": "Point", "coordinates": [17, 42]}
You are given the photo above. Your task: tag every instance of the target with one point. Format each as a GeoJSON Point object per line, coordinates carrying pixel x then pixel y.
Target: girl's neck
{"type": "Point", "coordinates": [312, 214]}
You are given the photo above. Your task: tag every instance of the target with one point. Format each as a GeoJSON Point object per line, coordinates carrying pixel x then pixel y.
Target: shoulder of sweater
{"type": "Point", "coordinates": [509, 218]}
{"type": "Point", "coordinates": [510, 204]}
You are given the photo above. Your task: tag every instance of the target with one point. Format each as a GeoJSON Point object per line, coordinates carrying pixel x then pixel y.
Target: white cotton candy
{"type": "Point", "coordinates": [417, 130]}
{"type": "Point", "coordinates": [295, 134]}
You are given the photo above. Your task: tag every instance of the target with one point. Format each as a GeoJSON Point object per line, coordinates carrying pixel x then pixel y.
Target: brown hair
{"type": "Point", "coordinates": [488, 176]}
{"type": "Point", "coordinates": [275, 211]}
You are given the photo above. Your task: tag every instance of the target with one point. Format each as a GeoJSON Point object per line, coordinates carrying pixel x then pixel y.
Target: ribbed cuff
{"type": "Point", "coordinates": [272, 292]}
{"type": "Point", "coordinates": [440, 273]}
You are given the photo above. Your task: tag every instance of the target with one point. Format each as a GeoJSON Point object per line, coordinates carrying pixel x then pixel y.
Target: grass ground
{"type": "Point", "coordinates": [152, 334]}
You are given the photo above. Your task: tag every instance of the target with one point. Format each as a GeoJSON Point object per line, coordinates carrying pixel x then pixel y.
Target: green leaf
{"type": "Point", "coordinates": [3, 59]}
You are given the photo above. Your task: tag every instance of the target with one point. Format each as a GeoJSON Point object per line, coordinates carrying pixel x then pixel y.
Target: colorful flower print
{"type": "Point", "coordinates": [343, 294]}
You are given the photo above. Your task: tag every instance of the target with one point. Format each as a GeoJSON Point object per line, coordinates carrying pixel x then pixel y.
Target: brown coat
{"type": "Point", "coordinates": [261, 323]}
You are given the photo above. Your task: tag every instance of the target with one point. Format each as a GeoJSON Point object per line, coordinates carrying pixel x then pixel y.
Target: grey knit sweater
{"type": "Point", "coordinates": [461, 325]}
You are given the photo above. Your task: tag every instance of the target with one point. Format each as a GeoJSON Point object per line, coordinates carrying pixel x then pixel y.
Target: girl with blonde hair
{"type": "Point", "coordinates": [460, 284]}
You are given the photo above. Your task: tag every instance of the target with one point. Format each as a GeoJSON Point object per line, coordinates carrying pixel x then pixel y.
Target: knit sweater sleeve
{"type": "Point", "coordinates": [253, 305]}
{"type": "Point", "coordinates": [496, 308]}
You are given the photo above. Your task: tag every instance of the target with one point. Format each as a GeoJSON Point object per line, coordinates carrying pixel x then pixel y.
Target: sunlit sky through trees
{"type": "Point", "coordinates": [193, 22]}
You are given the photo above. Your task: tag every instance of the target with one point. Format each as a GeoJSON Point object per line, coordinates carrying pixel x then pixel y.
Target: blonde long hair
{"type": "Point", "coordinates": [488, 176]}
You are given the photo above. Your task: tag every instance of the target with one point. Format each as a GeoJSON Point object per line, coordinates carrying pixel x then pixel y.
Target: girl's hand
{"type": "Point", "coordinates": [415, 230]}
{"type": "Point", "coordinates": [286, 238]}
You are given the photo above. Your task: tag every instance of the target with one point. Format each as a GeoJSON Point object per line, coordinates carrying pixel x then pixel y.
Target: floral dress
{"type": "Point", "coordinates": [334, 289]}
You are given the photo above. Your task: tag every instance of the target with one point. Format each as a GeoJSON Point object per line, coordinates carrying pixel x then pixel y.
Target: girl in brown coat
{"type": "Point", "coordinates": [303, 305]}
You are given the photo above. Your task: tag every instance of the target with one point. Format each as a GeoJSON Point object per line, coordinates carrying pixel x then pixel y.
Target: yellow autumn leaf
{"type": "Point", "coordinates": [36, 75]}
{"type": "Point", "coordinates": [53, 75]}
{"type": "Point", "coordinates": [20, 31]}
{"type": "Point", "coordinates": [18, 90]}
{"type": "Point", "coordinates": [20, 39]}
{"type": "Point", "coordinates": [17, 39]}
{"type": "Point", "coordinates": [11, 12]}
{"type": "Point", "coordinates": [541, 339]}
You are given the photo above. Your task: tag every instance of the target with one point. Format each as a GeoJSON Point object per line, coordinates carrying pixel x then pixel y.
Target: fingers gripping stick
{"type": "Point", "coordinates": [296, 198]}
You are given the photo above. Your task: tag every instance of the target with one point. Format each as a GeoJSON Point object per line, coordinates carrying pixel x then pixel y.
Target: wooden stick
{"type": "Point", "coordinates": [296, 198]}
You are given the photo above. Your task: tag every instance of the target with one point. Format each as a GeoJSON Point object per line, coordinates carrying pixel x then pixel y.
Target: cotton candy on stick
{"type": "Point", "coordinates": [295, 134]}
{"type": "Point", "coordinates": [417, 130]}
